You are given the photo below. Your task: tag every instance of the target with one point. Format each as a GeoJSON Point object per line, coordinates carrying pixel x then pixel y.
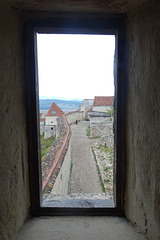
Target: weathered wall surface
{"type": "Point", "coordinates": [143, 119]}
{"type": "Point", "coordinates": [53, 161]}
{"type": "Point", "coordinates": [42, 129]}
{"type": "Point", "coordinates": [49, 131]}
{"type": "Point", "coordinates": [101, 108]}
{"type": "Point", "coordinates": [51, 121]}
{"type": "Point", "coordinates": [100, 124]}
{"type": "Point", "coordinates": [88, 104]}
{"type": "Point", "coordinates": [14, 187]}
{"type": "Point", "coordinates": [73, 116]}
{"type": "Point", "coordinates": [61, 184]}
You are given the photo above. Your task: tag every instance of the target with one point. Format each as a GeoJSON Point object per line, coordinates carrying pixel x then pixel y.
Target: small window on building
{"type": "Point", "coordinates": [53, 112]}
{"type": "Point", "coordinates": [51, 128]}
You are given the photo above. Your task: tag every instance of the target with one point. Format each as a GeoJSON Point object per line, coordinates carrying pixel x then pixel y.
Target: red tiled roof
{"type": "Point", "coordinates": [41, 115]}
{"type": "Point", "coordinates": [90, 109]}
{"type": "Point", "coordinates": [42, 119]}
{"type": "Point", "coordinates": [54, 111]}
{"type": "Point", "coordinates": [103, 101]}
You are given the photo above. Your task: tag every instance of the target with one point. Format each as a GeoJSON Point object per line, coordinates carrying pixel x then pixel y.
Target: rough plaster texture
{"type": "Point", "coordinates": [143, 142]}
{"type": "Point", "coordinates": [14, 198]}
{"type": "Point", "coordinates": [106, 6]}
{"type": "Point", "coordinates": [143, 118]}
{"type": "Point", "coordinates": [78, 228]}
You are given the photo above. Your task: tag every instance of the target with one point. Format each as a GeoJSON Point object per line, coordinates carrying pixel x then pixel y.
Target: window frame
{"type": "Point", "coordinates": [82, 24]}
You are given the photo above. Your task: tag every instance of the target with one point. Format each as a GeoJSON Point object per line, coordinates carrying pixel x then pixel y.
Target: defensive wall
{"type": "Point", "coordinates": [100, 124]}
{"type": "Point", "coordinates": [55, 157]}
{"type": "Point", "coordinates": [86, 105]}
{"type": "Point", "coordinates": [49, 131]}
{"type": "Point", "coordinates": [61, 185]}
{"type": "Point", "coordinates": [56, 166]}
{"type": "Point", "coordinates": [75, 115]}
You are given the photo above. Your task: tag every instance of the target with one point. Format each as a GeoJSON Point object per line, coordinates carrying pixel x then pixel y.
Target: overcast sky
{"type": "Point", "coordinates": [75, 66]}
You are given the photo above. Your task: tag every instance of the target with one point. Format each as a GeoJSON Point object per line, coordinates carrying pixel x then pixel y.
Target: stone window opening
{"type": "Point", "coordinates": [83, 207]}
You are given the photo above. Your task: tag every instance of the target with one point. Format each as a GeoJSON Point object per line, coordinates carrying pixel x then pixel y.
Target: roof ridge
{"type": "Point", "coordinates": [54, 110]}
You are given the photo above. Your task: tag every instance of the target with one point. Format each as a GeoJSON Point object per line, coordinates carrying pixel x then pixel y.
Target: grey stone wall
{"type": "Point", "coordinates": [101, 124]}
{"type": "Point", "coordinates": [57, 154]}
{"type": "Point", "coordinates": [142, 201]}
{"type": "Point", "coordinates": [107, 140]}
{"type": "Point", "coordinates": [42, 129]}
{"type": "Point", "coordinates": [49, 131]}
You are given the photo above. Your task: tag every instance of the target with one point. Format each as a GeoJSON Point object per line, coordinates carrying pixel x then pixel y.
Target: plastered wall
{"type": "Point", "coordinates": [61, 185]}
{"type": "Point", "coordinates": [73, 116]}
{"type": "Point", "coordinates": [142, 202]}
{"type": "Point", "coordinates": [142, 199]}
{"type": "Point", "coordinates": [14, 187]}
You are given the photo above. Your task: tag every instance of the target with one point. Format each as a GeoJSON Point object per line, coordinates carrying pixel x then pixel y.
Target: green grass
{"type": "Point", "coordinates": [88, 130]}
{"type": "Point", "coordinates": [71, 169]}
{"type": "Point", "coordinates": [108, 150]}
{"type": "Point", "coordinates": [106, 169]}
{"type": "Point", "coordinates": [110, 112]}
{"type": "Point", "coordinates": [45, 145]}
{"type": "Point", "coordinates": [99, 175]}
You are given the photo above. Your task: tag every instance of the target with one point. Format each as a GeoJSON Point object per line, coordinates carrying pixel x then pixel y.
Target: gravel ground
{"type": "Point", "coordinates": [84, 176]}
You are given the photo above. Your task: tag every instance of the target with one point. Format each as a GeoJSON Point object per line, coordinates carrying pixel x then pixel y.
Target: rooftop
{"type": "Point", "coordinates": [54, 111]}
{"type": "Point", "coordinates": [103, 101]}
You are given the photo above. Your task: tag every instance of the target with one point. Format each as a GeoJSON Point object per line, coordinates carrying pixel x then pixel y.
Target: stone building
{"type": "Point", "coordinates": [140, 99]}
{"type": "Point", "coordinates": [42, 123]}
{"type": "Point", "coordinates": [85, 106]}
{"type": "Point", "coordinates": [101, 124]}
{"type": "Point", "coordinates": [102, 104]}
{"type": "Point", "coordinates": [51, 120]}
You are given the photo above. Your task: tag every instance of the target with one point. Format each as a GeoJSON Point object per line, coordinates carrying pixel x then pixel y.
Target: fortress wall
{"type": "Point", "coordinates": [49, 131]}
{"type": "Point", "coordinates": [42, 129]}
{"type": "Point", "coordinates": [88, 105]}
{"type": "Point", "coordinates": [101, 126]}
{"type": "Point", "coordinates": [61, 184]}
{"type": "Point", "coordinates": [56, 159]}
{"type": "Point", "coordinates": [73, 116]}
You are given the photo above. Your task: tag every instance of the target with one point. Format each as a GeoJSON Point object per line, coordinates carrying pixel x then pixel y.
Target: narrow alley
{"type": "Point", "coordinates": [84, 176]}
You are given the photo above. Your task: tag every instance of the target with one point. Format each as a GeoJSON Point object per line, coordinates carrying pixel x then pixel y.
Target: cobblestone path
{"type": "Point", "coordinates": [84, 176]}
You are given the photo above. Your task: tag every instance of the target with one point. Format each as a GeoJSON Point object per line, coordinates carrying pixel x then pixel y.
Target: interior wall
{"type": "Point", "coordinates": [14, 187]}
{"type": "Point", "coordinates": [142, 203]}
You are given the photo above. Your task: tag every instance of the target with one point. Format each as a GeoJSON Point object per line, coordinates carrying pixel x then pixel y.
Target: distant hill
{"type": "Point", "coordinates": [65, 105]}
